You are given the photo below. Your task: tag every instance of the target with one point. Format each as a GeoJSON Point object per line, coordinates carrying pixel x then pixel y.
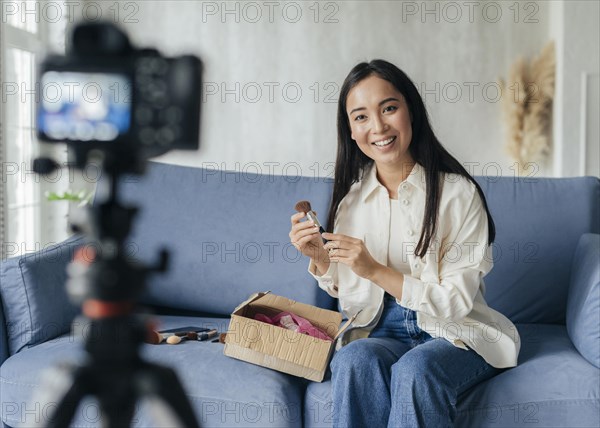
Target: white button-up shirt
{"type": "Point", "coordinates": [446, 287]}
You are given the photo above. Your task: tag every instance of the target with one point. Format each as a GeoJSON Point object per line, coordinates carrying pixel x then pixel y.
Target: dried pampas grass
{"type": "Point", "coordinates": [527, 108]}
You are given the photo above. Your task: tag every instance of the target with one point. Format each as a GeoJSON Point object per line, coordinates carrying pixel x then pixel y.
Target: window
{"type": "Point", "coordinates": [28, 222]}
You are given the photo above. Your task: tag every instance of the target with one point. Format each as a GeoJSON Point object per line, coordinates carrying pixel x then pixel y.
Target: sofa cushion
{"type": "Point", "coordinates": [223, 391]}
{"type": "Point", "coordinates": [552, 386]}
{"type": "Point", "coordinates": [35, 302]}
{"type": "Point", "coordinates": [583, 306]}
{"type": "Point", "coordinates": [538, 225]}
{"type": "Point", "coordinates": [227, 233]}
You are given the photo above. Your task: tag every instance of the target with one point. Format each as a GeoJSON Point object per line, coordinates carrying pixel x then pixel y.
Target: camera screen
{"type": "Point", "coordinates": [81, 106]}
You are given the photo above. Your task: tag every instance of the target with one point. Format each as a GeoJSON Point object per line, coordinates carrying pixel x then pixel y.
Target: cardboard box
{"type": "Point", "coordinates": [278, 348]}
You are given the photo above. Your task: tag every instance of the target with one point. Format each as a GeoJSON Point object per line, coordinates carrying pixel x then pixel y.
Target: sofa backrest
{"type": "Point", "coordinates": [227, 233]}
{"type": "Point", "coordinates": [538, 225]}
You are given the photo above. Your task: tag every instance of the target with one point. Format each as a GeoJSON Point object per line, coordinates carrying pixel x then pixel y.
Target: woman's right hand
{"type": "Point", "coordinates": [305, 236]}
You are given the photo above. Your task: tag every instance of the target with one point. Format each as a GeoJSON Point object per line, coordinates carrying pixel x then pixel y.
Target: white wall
{"type": "Point", "coordinates": [576, 27]}
{"type": "Point", "coordinates": [443, 46]}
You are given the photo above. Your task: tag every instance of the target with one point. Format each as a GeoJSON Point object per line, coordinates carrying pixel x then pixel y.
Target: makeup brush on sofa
{"type": "Point", "coordinates": [155, 338]}
{"type": "Point", "coordinates": [304, 207]}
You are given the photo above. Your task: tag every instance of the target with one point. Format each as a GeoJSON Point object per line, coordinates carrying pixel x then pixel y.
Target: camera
{"type": "Point", "coordinates": [106, 95]}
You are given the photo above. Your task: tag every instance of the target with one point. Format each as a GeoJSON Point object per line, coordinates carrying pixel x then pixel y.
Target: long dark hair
{"type": "Point", "coordinates": [425, 149]}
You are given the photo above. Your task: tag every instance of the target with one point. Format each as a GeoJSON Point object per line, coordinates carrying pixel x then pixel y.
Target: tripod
{"type": "Point", "coordinates": [109, 284]}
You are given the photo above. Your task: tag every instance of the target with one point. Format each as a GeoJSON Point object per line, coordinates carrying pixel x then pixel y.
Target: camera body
{"type": "Point", "coordinates": [106, 95]}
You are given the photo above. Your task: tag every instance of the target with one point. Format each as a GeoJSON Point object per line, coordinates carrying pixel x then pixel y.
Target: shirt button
{"type": "Point", "coordinates": [405, 201]}
{"type": "Point", "coordinates": [405, 186]}
{"type": "Point", "coordinates": [410, 233]}
{"type": "Point", "coordinates": [416, 265]}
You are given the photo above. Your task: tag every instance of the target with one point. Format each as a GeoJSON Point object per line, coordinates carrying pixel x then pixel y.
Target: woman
{"type": "Point", "coordinates": [410, 248]}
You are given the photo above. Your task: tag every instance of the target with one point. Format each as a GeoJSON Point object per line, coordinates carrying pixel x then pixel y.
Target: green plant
{"type": "Point", "coordinates": [82, 197]}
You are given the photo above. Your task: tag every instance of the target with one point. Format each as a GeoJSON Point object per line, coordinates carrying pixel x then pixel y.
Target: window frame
{"type": "Point", "coordinates": [37, 44]}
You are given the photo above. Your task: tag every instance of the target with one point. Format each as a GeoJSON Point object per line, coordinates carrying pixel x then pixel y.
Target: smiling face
{"type": "Point", "coordinates": [380, 122]}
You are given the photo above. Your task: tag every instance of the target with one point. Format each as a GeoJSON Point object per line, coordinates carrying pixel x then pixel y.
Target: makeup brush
{"type": "Point", "coordinates": [304, 207]}
{"type": "Point", "coordinates": [153, 337]}
{"type": "Point", "coordinates": [178, 338]}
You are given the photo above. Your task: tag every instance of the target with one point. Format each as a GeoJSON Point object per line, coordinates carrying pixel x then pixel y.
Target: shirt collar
{"type": "Point", "coordinates": [370, 183]}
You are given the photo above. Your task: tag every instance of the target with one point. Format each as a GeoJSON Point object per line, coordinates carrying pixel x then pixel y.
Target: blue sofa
{"type": "Point", "coordinates": [228, 237]}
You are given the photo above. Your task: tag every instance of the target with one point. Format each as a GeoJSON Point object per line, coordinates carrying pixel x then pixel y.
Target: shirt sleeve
{"type": "Point", "coordinates": [327, 281]}
{"type": "Point", "coordinates": [465, 260]}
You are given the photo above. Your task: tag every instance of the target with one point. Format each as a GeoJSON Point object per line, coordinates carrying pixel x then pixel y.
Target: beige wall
{"type": "Point", "coordinates": [273, 70]}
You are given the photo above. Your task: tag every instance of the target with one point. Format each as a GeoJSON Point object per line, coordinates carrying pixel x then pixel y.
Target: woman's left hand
{"type": "Point", "coordinates": [352, 252]}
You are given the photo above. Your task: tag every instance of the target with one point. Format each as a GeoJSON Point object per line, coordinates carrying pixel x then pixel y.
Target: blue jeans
{"type": "Point", "coordinates": [400, 376]}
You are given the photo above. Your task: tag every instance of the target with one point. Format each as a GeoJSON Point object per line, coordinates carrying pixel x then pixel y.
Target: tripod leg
{"type": "Point", "coordinates": [117, 394]}
{"type": "Point", "coordinates": [65, 410]}
{"type": "Point", "coordinates": [161, 414]}
{"type": "Point", "coordinates": [117, 416]}
{"type": "Point", "coordinates": [163, 383]}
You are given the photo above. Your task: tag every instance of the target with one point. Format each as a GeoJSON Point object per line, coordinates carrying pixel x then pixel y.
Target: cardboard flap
{"type": "Point", "coordinates": [346, 325]}
{"type": "Point", "coordinates": [251, 299]}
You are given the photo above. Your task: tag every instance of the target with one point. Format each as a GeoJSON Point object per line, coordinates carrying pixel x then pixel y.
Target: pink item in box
{"type": "Point", "coordinates": [293, 322]}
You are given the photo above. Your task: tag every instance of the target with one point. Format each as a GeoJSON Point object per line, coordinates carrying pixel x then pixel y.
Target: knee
{"type": "Point", "coordinates": [356, 356]}
{"type": "Point", "coordinates": [414, 367]}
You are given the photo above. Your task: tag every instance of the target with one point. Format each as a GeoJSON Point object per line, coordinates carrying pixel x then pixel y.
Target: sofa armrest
{"type": "Point", "coordinates": [583, 303]}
